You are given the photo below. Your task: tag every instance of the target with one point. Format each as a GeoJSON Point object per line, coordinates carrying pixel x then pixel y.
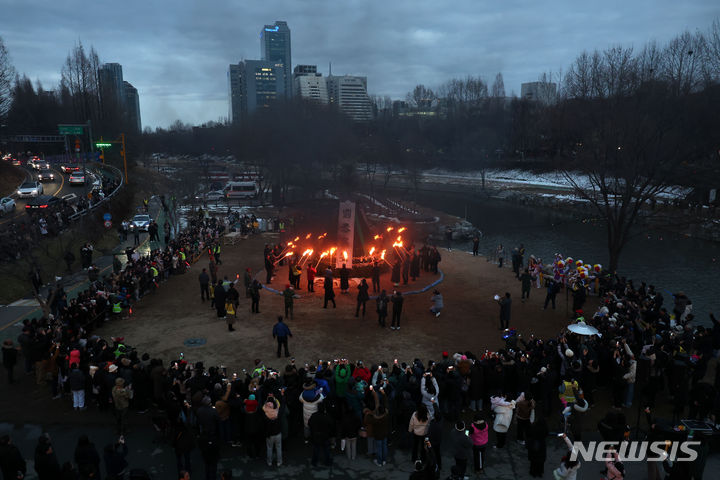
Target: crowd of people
{"type": "Point", "coordinates": [455, 405]}
{"type": "Point", "coordinates": [19, 236]}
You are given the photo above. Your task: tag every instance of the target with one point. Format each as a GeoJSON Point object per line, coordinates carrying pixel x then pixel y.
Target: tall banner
{"type": "Point", "coordinates": [346, 234]}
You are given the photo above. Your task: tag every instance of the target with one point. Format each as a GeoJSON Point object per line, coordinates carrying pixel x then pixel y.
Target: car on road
{"type": "Point", "coordinates": [7, 204]}
{"type": "Point", "coordinates": [212, 196]}
{"type": "Point", "coordinates": [36, 163]}
{"type": "Point", "coordinates": [41, 202]}
{"type": "Point", "coordinates": [77, 178]}
{"type": "Point", "coordinates": [70, 168]}
{"type": "Point", "coordinates": [30, 189]}
{"type": "Point", "coordinates": [140, 223]}
{"type": "Point", "coordinates": [15, 161]}
{"type": "Point", "coordinates": [45, 174]}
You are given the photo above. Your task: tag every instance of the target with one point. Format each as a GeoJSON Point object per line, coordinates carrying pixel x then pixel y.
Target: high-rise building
{"type": "Point", "coordinates": [119, 98]}
{"type": "Point", "coordinates": [132, 107]}
{"type": "Point", "coordinates": [254, 84]}
{"type": "Point", "coordinates": [304, 70]}
{"type": "Point", "coordinates": [110, 76]}
{"type": "Point", "coordinates": [275, 47]}
{"type": "Point", "coordinates": [309, 84]}
{"type": "Point", "coordinates": [311, 88]}
{"type": "Point", "coordinates": [543, 92]}
{"type": "Point", "coordinates": [349, 93]}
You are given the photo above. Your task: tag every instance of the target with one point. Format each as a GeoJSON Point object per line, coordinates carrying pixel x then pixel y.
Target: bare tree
{"type": "Point", "coordinates": [682, 59]}
{"type": "Point", "coordinates": [421, 98]}
{"type": "Point", "coordinates": [79, 76]}
{"type": "Point", "coordinates": [7, 74]}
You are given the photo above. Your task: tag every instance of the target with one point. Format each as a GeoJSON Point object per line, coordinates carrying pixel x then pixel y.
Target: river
{"type": "Point", "coordinates": [669, 261]}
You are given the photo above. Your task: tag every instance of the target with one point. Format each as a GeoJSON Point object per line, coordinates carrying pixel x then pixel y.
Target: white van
{"type": "Point", "coordinates": [241, 190]}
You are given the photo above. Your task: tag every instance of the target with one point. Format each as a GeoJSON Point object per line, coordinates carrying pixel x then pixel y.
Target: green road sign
{"type": "Point", "coordinates": [70, 129]}
{"type": "Point", "coordinates": [103, 145]}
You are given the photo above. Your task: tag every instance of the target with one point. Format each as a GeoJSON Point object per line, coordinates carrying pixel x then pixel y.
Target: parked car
{"type": "Point", "coordinates": [15, 161]}
{"type": "Point", "coordinates": [45, 174]}
{"type": "Point", "coordinates": [30, 189]}
{"type": "Point", "coordinates": [69, 168]}
{"type": "Point", "coordinates": [77, 178]}
{"type": "Point", "coordinates": [7, 204]}
{"type": "Point", "coordinates": [41, 202]}
{"type": "Point", "coordinates": [140, 223]}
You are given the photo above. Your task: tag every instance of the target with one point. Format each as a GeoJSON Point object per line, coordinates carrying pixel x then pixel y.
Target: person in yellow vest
{"type": "Point", "coordinates": [216, 252]}
{"type": "Point", "coordinates": [117, 308]}
{"type": "Point", "coordinates": [567, 391]}
{"type": "Point", "coordinates": [155, 274]}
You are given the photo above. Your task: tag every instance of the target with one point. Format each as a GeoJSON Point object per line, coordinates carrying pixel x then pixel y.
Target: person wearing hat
{"type": "Point", "coordinates": [9, 358]}
{"type": "Point", "coordinates": [310, 398]}
{"type": "Point", "coordinates": [121, 402]}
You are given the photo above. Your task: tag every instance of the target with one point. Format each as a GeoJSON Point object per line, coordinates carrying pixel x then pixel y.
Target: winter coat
{"type": "Point", "coordinates": [479, 436]}
{"type": "Point", "coordinates": [310, 406]}
{"type": "Point", "coordinates": [342, 374]}
{"type": "Point", "coordinates": [460, 444]}
{"type": "Point", "coordinates": [503, 413]}
{"type": "Point", "coordinates": [427, 397]}
{"type": "Point", "coordinates": [76, 380]}
{"type": "Point", "coordinates": [418, 427]}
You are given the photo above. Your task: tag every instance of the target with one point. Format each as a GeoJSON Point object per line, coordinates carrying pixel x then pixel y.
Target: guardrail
{"type": "Point", "coordinates": [90, 208]}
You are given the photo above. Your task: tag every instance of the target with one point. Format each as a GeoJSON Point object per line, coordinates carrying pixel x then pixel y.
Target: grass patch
{"type": "Point", "coordinates": [10, 178]}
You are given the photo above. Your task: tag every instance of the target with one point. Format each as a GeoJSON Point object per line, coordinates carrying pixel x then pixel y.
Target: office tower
{"type": "Point", "coordinates": [309, 84]}
{"type": "Point", "coordinates": [254, 84]}
{"type": "Point", "coordinates": [275, 47]}
{"type": "Point", "coordinates": [132, 108]}
{"type": "Point", "coordinates": [350, 95]}
{"type": "Point", "coordinates": [110, 77]}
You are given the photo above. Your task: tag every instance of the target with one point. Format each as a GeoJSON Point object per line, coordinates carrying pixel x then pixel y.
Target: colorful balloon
{"type": "Point", "coordinates": [597, 267]}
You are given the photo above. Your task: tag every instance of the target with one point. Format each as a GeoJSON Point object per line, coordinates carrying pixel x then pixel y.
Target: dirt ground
{"type": "Point", "coordinates": [10, 178]}
{"type": "Point", "coordinates": [163, 321]}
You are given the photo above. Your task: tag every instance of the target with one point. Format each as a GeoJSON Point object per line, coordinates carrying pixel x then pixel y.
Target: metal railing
{"type": "Point", "coordinates": [90, 208]}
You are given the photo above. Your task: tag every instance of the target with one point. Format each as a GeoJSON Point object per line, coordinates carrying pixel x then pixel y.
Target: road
{"type": "Point", "coordinates": [57, 188]}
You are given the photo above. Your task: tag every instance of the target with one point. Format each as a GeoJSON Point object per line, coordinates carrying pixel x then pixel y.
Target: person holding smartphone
{"type": "Point", "coordinates": [460, 447]}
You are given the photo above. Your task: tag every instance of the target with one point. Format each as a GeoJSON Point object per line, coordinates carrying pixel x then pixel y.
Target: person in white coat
{"type": "Point", "coordinates": [503, 410]}
{"type": "Point", "coordinates": [310, 399]}
{"type": "Point", "coordinates": [568, 468]}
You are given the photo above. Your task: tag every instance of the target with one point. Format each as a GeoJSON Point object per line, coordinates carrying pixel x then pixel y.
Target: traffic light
{"type": "Point", "coordinates": [102, 156]}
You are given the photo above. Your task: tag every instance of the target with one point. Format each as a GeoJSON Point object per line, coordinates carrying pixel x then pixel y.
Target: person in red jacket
{"type": "Point", "coordinates": [361, 372]}
{"type": "Point", "coordinates": [311, 278]}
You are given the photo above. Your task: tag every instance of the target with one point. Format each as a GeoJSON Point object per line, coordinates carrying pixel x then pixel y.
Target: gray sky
{"type": "Point", "coordinates": [176, 53]}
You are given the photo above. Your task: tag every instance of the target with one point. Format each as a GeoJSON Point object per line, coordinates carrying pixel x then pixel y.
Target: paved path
{"type": "Point", "coordinates": [12, 315]}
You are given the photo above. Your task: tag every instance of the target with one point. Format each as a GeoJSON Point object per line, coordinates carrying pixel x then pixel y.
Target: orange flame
{"type": "Point", "coordinates": [307, 252]}
{"type": "Point", "coordinates": [296, 239]}
{"type": "Point", "coordinates": [332, 250]}
{"type": "Point", "coordinates": [323, 254]}
{"type": "Point", "coordinates": [372, 250]}
{"type": "Point", "coordinates": [382, 254]}
{"type": "Point", "coordinates": [389, 229]}
{"type": "Point", "coordinates": [399, 239]}
{"type": "Point", "coordinates": [308, 236]}
{"type": "Point", "coordinates": [345, 254]}
{"type": "Point", "coordinates": [377, 236]}
{"type": "Point", "coordinates": [289, 254]}
{"type": "Point", "coordinates": [401, 230]}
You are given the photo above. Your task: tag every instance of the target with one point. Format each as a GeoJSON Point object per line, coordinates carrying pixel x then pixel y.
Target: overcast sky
{"type": "Point", "coordinates": [176, 53]}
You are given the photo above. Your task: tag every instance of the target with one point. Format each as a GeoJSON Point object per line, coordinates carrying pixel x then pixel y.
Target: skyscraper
{"type": "Point", "coordinates": [132, 107]}
{"type": "Point", "coordinates": [350, 95]}
{"type": "Point", "coordinates": [254, 84]}
{"type": "Point", "coordinates": [275, 47]}
{"type": "Point", "coordinates": [110, 76]}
